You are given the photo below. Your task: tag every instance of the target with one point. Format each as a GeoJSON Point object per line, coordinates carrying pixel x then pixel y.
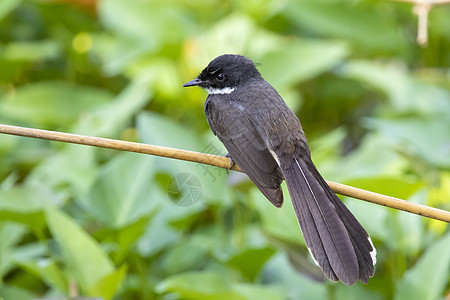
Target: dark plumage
{"type": "Point", "coordinates": [264, 137]}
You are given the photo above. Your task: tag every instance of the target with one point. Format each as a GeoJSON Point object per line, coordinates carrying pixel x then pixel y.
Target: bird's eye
{"type": "Point", "coordinates": [220, 77]}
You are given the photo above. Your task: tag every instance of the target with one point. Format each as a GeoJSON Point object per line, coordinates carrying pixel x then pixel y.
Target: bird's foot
{"type": "Point", "coordinates": [231, 162]}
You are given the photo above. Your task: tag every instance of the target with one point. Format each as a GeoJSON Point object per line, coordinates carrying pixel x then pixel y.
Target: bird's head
{"type": "Point", "coordinates": [224, 74]}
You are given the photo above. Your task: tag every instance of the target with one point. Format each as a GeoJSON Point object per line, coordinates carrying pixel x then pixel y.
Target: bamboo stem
{"type": "Point", "coordinates": [218, 161]}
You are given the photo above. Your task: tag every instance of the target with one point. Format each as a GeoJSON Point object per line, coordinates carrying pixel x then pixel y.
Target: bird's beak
{"type": "Point", "coordinates": [194, 82]}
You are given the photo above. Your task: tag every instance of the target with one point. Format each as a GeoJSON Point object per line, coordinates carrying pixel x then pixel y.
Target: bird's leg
{"type": "Point", "coordinates": [231, 162]}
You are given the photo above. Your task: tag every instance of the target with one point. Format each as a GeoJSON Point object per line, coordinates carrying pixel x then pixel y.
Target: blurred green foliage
{"type": "Point", "coordinates": [375, 107]}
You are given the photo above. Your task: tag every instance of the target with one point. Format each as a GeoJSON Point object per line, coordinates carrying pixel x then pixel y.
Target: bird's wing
{"type": "Point", "coordinates": [247, 149]}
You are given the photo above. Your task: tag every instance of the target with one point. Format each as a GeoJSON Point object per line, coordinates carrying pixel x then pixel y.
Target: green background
{"type": "Point", "coordinates": [95, 222]}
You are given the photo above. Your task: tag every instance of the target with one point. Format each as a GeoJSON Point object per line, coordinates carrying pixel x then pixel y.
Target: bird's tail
{"type": "Point", "coordinates": [338, 243]}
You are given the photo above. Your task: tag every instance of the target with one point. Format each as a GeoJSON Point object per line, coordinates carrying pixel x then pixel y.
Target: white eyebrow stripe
{"type": "Point", "coordinates": [215, 71]}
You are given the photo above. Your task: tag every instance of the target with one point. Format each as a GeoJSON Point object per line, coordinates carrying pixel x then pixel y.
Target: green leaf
{"type": "Point", "coordinates": [221, 38]}
{"type": "Point", "coordinates": [30, 51]}
{"type": "Point", "coordinates": [7, 6]}
{"type": "Point", "coordinates": [51, 104]}
{"type": "Point", "coordinates": [28, 198]}
{"type": "Point", "coordinates": [11, 292]}
{"type": "Point", "coordinates": [127, 236]}
{"type": "Point", "coordinates": [36, 219]}
{"type": "Point", "coordinates": [111, 119]}
{"type": "Point", "coordinates": [356, 292]}
{"type": "Point", "coordinates": [428, 278]}
{"type": "Point", "coordinates": [162, 21]}
{"type": "Point", "coordinates": [200, 286]}
{"type": "Point", "coordinates": [301, 60]}
{"type": "Point", "coordinates": [10, 236]}
{"type": "Point", "coordinates": [49, 271]}
{"type": "Point", "coordinates": [365, 162]}
{"type": "Point", "coordinates": [360, 24]}
{"type": "Point", "coordinates": [387, 185]}
{"type": "Point", "coordinates": [250, 261]}
{"type": "Point", "coordinates": [279, 222]}
{"type": "Point", "coordinates": [257, 292]}
{"type": "Point", "coordinates": [280, 272]}
{"type": "Point", "coordinates": [158, 236]}
{"type": "Point", "coordinates": [108, 285]}
{"type": "Point", "coordinates": [29, 251]}
{"type": "Point", "coordinates": [132, 25]}
{"type": "Point", "coordinates": [426, 138]}
{"type": "Point", "coordinates": [85, 259]}
{"type": "Point", "coordinates": [25, 204]}
{"type": "Point", "coordinates": [124, 190]}
{"type": "Point", "coordinates": [406, 93]}
{"type": "Point", "coordinates": [186, 255]}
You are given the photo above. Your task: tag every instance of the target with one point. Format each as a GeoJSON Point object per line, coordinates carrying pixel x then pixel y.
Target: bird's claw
{"type": "Point", "coordinates": [231, 163]}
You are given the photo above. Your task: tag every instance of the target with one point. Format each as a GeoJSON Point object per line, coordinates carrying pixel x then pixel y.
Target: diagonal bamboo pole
{"type": "Point", "coordinates": [218, 161]}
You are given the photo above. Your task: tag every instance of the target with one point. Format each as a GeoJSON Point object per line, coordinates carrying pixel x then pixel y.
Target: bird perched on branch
{"type": "Point", "coordinates": [265, 138]}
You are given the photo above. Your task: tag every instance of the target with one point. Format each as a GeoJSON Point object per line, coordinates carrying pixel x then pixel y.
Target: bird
{"type": "Point", "coordinates": [265, 139]}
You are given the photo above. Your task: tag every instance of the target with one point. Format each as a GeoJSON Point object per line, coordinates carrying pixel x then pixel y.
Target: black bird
{"type": "Point", "coordinates": [265, 138]}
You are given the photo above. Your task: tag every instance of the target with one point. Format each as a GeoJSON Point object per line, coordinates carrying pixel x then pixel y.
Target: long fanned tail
{"type": "Point", "coordinates": [338, 243]}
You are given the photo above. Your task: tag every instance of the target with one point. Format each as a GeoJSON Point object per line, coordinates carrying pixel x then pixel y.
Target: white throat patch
{"type": "Point", "coordinates": [224, 91]}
